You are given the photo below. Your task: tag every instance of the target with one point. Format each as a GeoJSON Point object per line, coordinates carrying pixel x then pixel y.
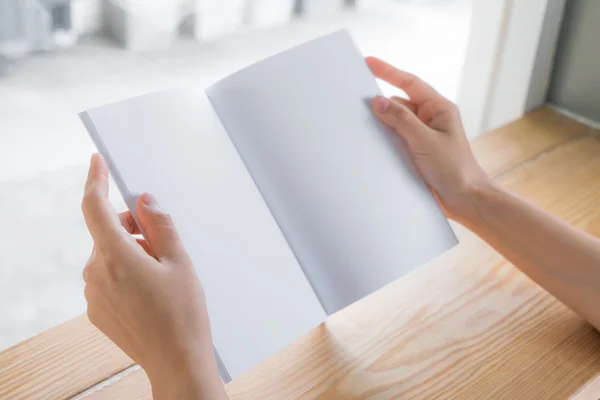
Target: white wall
{"type": "Point", "coordinates": [576, 78]}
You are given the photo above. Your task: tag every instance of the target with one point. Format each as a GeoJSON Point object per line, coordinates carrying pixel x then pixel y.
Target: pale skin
{"type": "Point", "coordinates": [146, 297]}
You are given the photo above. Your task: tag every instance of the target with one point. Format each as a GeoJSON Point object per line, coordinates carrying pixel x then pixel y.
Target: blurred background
{"type": "Point", "coordinates": [59, 57]}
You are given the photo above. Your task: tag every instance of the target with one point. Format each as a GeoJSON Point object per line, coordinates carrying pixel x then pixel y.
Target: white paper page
{"type": "Point", "coordinates": [345, 196]}
{"type": "Point", "coordinates": [173, 145]}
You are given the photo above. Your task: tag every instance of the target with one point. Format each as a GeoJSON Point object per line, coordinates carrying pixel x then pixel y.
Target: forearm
{"type": "Point", "coordinates": [563, 260]}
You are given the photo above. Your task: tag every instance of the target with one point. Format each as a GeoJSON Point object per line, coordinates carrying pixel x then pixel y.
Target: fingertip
{"type": "Point", "coordinates": [96, 160]}
{"type": "Point", "coordinates": [373, 63]}
{"type": "Point", "coordinates": [93, 165]}
{"type": "Point", "coordinates": [381, 104]}
{"type": "Point", "coordinates": [372, 59]}
{"type": "Point", "coordinates": [98, 165]}
{"type": "Point", "coordinates": [148, 201]}
{"type": "Point", "coordinates": [93, 171]}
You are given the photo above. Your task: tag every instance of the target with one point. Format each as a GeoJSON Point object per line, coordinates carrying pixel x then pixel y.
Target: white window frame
{"type": "Point", "coordinates": [509, 60]}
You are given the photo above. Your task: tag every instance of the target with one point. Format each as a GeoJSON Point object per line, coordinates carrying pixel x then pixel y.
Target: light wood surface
{"type": "Point", "coordinates": [466, 326]}
{"type": "Point", "coordinates": [540, 131]}
{"type": "Point", "coordinates": [59, 363]}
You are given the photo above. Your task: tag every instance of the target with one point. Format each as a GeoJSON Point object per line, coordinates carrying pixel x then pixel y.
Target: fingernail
{"type": "Point", "coordinates": [150, 201]}
{"type": "Point", "coordinates": [382, 103]}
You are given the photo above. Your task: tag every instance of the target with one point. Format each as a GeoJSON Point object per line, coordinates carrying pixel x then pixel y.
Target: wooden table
{"type": "Point", "coordinates": [466, 326]}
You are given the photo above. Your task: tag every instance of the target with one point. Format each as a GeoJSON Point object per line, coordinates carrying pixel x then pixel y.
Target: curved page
{"type": "Point", "coordinates": [350, 205]}
{"type": "Point", "coordinates": [173, 145]}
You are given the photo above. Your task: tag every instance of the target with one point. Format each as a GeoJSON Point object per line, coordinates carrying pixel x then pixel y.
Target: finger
{"type": "Point", "coordinates": [128, 223]}
{"type": "Point", "coordinates": [411, 106]}
{"type": "Point", "coordinates": [146, 247]}
{"type": "Point", "coordinates": [163, 239]}
{"type": "Point", "coordinates": [132, 228]}
{"type": "Point", "coordinates": [100, 218]}
{"type": "Point", "coordinates": [425, 112]}
{"type": "Point", "coordinates": [417, 90]}
{"type": "Point", "coordinates": [400, 118]}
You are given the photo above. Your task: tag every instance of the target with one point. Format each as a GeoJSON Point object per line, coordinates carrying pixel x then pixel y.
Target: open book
{"type": "Point", "coordinates": [291, 198]}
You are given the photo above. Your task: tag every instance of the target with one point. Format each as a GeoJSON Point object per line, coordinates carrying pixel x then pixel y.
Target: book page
{"type": "Point", "coordinates": [339, 184]}
{"type": "Point", "coordinates": [173, 145]}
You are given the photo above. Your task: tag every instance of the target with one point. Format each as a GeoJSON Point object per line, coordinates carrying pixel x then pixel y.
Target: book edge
{"type": "Point", "coordinates": [131, 204]}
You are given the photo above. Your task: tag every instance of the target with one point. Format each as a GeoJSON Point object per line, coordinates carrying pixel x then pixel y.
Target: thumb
{"type": "Point", "coordinates": [399, 117]}
{"type": "Point", "coordinates": [162, 236]}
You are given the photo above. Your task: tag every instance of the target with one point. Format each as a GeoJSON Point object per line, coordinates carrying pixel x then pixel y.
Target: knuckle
{"type": "Point", "coordinates": [412, 79]}
{"type": "Point", "coordinates": [402, 113]}
{"type": "Point", "coordinates": [164, 219]}
{"type": "Point", "coordinates": [170, 229]}
{"type": "Point", "coordinates": [90, 199]}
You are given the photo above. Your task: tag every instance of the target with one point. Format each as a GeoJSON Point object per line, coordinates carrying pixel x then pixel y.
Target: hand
{"type": "Point", "coordinates": [431, 127]}
{"type": "Point", "coordinates": [145, 296]}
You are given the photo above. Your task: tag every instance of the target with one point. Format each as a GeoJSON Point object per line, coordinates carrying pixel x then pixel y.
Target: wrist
{"type": "Point", "coordinates": [193, 377]}
{"type": "Point", "coordinates": [200, 384]}
{"type": "Point", "coordinates": [467, 207]}
{"type": "Point", "coordinates": [178, 388]}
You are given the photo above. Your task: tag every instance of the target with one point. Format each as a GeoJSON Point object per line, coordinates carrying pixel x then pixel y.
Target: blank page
{"type": "Point", "coordinates": [173, 145]}
{"type": "Point", "coordinates": [339, 184]}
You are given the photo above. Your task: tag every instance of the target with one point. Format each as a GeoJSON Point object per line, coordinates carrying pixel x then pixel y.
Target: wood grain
{"type": "Point", "coordinates": [541, 130]}
{"type": "Point", "coordinates": [466, 326]}
{"type": "Point", "coordinates": [59, 363]}
{"type": "Point", "coordinates": [137, 387]}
